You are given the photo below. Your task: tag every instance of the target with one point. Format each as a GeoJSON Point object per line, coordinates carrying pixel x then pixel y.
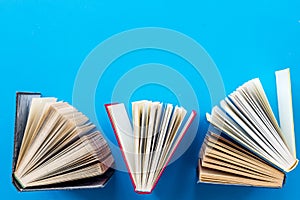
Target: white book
{"type": "Point", "coordinates": [249, 129]}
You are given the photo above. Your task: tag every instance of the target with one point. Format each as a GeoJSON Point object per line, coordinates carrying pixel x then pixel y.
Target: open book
{"type": "Point", "coordinates": [57, 147]}
{"type": "Point", "coordinates": [148, 143]}
{"type": "Point", "coordinates": [252, 149]}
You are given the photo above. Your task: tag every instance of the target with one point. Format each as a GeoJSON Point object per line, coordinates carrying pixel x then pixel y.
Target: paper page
{"type": "Point", "coordinates": [285, 108]}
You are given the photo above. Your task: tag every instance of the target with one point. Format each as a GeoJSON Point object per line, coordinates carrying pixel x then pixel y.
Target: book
{"type": "Point", "coordinates": [246, 145]}
{"type": "Point", "coordinates": [57, 147]}
{"type": "Point", "coordinates": [149, 141]}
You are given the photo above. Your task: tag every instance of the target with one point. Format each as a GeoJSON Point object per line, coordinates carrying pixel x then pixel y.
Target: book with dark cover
{"type": "Point", "coordinates": [23, 102]}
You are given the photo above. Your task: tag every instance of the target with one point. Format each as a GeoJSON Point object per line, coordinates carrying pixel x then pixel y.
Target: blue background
{"type": "Point", "coordinates": [43, 43]}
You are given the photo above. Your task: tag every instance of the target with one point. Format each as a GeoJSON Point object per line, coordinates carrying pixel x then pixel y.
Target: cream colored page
{"type": "Point", "coordinates": [285, 108]}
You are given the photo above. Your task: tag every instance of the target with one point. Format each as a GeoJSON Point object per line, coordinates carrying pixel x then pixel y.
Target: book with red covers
{"type": "Point", "coordinates": [252, 149]}
{"type": "Point", "coordinates": [148, 143]}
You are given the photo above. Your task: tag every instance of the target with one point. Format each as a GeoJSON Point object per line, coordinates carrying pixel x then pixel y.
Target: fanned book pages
{"type": "Point", "coordinates": [57, 147]}
{"type": "Point", "coordinates": [252, 148]}
{"type": "Point", "coordinates": [148, 143]}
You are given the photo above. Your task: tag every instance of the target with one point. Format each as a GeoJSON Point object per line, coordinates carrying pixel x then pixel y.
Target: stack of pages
{"type": "Point", "coordinates": [150, 141]}
{"type": "Point", "coordinates": [252, 149]}
{"type": "Point", "coordinates": [57, 147]}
